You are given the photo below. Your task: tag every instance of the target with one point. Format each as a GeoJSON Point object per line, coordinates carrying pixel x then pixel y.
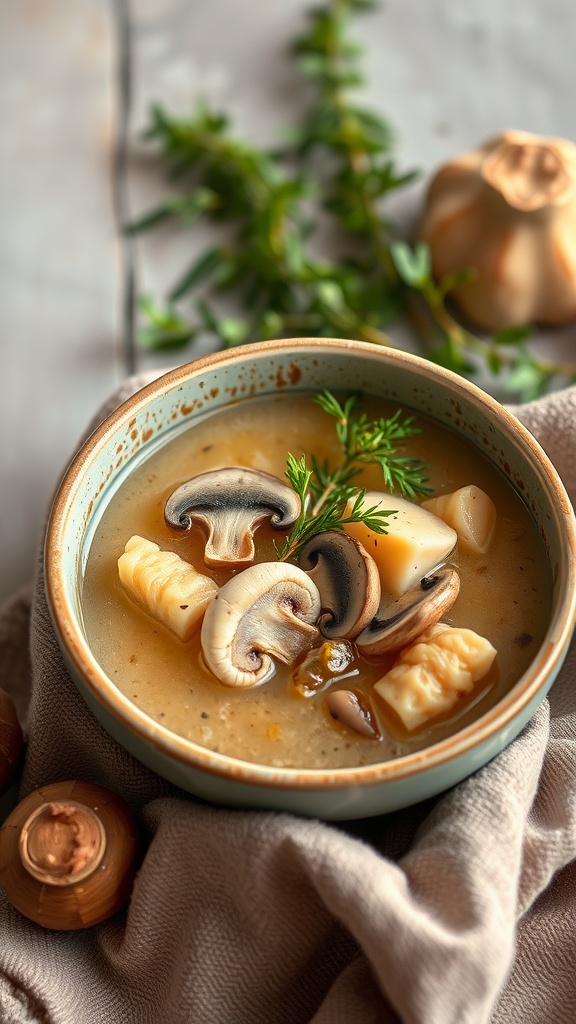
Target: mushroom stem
{"type": "Point", "coordinates": [229, 504]}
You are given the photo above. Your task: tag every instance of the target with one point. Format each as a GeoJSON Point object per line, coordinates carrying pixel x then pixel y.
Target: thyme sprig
{"type": "Point", "coordinates": [454, 346]}
{"type": "Point", "coordinates": [329, 498]}
{"type": "Point", "coordinates": [366, 442]}
{"type": "Point", "coordinates": [338, 164]}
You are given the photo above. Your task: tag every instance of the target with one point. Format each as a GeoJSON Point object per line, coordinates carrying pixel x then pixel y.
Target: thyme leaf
{"type": "Point", "coordinates": [329, 500]}
{"type": "Point", "coordinates": [338, 163]}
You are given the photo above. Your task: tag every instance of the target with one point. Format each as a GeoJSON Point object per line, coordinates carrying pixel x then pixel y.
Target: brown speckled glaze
{"type": "Point", "coordinates": [173, 402]}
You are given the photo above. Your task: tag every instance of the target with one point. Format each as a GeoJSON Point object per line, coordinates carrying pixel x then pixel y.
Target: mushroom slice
{"type": "Point", "coordinates": [229, 504]}
{"type": "Point", "coordinates": [266, 612]}
{"type": "Point", "coordinates": [323, 665]}
{"type": "Point", "coordinates": [348, 580]}
{"type": "Point", "coordinates": [351, 710]}
{"type": "Point", "coordinates": [399, 622]}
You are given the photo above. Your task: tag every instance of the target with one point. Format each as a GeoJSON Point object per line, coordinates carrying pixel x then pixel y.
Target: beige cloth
{"type": "Point", "coordinates": [459, 911]}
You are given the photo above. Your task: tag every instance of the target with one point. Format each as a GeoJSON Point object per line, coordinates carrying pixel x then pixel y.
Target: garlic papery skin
{"type": "Point", "coordinates": [507, 211]}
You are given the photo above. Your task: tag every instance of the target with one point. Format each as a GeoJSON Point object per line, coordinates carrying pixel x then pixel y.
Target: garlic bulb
{"type": "Point", "coordinates": [507, 210]}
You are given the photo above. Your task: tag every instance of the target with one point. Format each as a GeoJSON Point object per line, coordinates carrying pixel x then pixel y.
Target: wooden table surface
{"type": "Point", "coordinates": [76, 81]}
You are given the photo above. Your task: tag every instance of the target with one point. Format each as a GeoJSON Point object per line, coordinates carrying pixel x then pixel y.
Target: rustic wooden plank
{"type": "Point", "coordinates": [59, 355]}
{"type": "Point", "coordinates": [446, 74]}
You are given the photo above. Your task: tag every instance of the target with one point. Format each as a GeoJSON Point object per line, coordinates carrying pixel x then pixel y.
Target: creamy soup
{"type": "Point", "coordinates": [504, 594]}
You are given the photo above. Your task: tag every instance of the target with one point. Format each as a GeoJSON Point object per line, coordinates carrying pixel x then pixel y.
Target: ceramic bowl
{"type": "Point", "coordinates": [149, 418]}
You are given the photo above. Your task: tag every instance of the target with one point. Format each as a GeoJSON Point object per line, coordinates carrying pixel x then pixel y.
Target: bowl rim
{"type": "Point", "coordinates": [191, 754]}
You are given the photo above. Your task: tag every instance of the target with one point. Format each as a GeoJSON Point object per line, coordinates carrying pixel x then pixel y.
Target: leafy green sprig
{"type": "Point", "coordinates": [341, 158]}
{"type": "Point", "coordinates": [360, 172]}
{"type": "Point", "coordinates": [366, 442]}
{"type": "Point", "coordinates": [328, 497]}
{"type": "Point", "coordinates": [331, 514]}
{"type": "Point", "coordinates": [456, 348]}
{"type": "Point", "coordinates": [360, 175]}
{"type": "Point", "coordinates": [262, 262]}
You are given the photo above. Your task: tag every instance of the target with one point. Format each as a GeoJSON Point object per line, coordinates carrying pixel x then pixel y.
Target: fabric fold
{"type": "Point", "coordinates": [457, 911]}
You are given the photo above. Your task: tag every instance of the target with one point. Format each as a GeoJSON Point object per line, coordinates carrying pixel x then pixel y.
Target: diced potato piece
{"type": "Point", "coordinates": [430, 675]}
{"type": "Point", "coordinates": [470, 512]}
{"type": "Point", "coordinates": [416, 542]}
{"type": "Point", "coordinates": [169, 589]}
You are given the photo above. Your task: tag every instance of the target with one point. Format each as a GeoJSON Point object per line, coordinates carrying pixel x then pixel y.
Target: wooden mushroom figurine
{"type": "Point", "coordinates": [229, 504]}
{"type": "Point", "coordinates": [68, 855]}
{"type": "Point", "coordinates": [11, 742]}
{"type": "Point", "coordinates": [507, 211]}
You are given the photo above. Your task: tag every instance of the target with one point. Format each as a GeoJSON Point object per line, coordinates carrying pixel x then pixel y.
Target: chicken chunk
{"type": "Point", "coordinates": [167, 587]}
{"type": "Point", "coordinates": [434, 672]}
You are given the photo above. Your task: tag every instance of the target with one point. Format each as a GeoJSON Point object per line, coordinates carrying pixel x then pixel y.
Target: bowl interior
{"type": "Point", "coordinates": [178, 399]}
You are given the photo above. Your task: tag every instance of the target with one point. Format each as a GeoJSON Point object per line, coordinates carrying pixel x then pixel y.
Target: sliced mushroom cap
{"type": "Point", "coordinates": [229, 504]}
{"type": "Point", "coordinates": [348, 580]}
{"type": "Point", "coordinates": [398, 622]}
{"type": "Point", "coordinates": [352, 710]}
{"type": "Point", "coordinates": [267, 611]}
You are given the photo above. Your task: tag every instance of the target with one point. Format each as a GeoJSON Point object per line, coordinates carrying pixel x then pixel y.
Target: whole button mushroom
{"type": "Point", "coordinates": [229, 504]}
{"type": "Point", "coordinates": [68, 855]}
{"type": "Point", "coordinates": [11, 742]}
{"type": "Point", "coordinates": [267, 611]}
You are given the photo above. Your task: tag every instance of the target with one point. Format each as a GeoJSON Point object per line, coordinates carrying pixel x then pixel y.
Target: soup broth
{"type": "Point", "coordinates": [503, 595]}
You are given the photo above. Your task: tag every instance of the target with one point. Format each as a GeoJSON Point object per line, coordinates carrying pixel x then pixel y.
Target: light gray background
{"type": "Point", "coordinates": [446, 73]}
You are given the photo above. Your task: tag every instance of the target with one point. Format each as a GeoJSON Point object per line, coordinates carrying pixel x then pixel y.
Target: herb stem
{"type": "Point", "coordinates": [466, 341]}
{"type": "Point", "coordinates": [349, 130]}
{"type": "Point", "coordinates": [319, 504]}
{"type": "Point", "coordinates": [280, 286]}
{"type": "Point", "coordinates": [329, 499]}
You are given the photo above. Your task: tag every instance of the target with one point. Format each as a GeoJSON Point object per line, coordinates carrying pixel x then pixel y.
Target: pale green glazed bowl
{"type": "Point", "coordinates": [145, 421]}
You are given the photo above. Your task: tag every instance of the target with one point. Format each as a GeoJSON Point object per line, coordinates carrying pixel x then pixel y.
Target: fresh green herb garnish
{"type": "Point", "coordinates": [366, 441]}
{"type": "Point", "coordinates": [329, 514]}
{"type": "Point", "coordinates": [336, 171]}
{"type": "Point", "coordinates": [325, 493]}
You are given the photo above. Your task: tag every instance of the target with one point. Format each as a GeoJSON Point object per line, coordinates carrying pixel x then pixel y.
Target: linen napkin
{"type": "Point", "coordinates": [461, 910]}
